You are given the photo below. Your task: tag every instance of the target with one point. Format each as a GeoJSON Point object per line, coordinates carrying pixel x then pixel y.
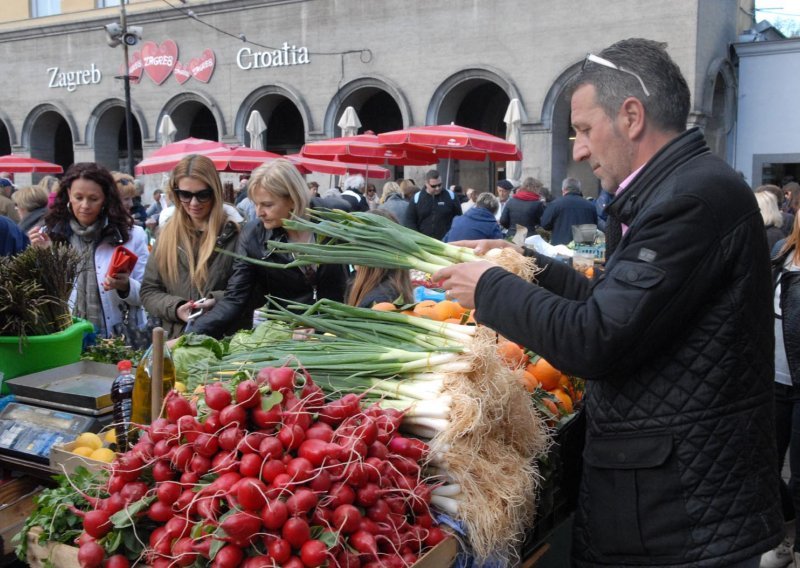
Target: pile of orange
{"type": "Point", "coordinates": [445, 311]}
{"type": "Point", "coordinates": [554, 382]}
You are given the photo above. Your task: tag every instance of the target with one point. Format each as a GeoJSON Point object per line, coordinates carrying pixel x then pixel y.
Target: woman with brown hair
{"type": "Point", "coordinates": [185, 267]}
{"type": "Point", "coordinates": [372, 286]}
{"type": "Point", "coordinates": [89, 215]}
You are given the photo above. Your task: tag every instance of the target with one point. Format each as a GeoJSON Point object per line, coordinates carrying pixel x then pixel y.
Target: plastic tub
{"type": "Point", "coordinates": [42, 352]}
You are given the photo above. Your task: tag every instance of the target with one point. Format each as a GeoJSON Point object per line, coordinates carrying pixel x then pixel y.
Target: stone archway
{"type": "Point", "coordinates": [50, 134]}
{"type": "Point", "coordinates": [194, 115]}
{"type": "Point", "coordinates": [380, 106]}
{"type": "Point", "coordinates": [476, 98]}
{"type": "Point", "coordinates": [285, 114]}
{"type": "Point", "coordinates": [106, 133]}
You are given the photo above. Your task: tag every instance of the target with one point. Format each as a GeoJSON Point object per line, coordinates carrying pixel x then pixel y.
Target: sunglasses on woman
{"type": "Point", "coordinates": [202, 196]}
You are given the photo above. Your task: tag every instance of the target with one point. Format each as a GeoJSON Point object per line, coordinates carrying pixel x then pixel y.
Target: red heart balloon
{"type": "Point", "coordinates": [159, 60]}
{"type": "Point", "coordinates": [182, 73]}
{"type": "Point", "coordinates": [203, 67]}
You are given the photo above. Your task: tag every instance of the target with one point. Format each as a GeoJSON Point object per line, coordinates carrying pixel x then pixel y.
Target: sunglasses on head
{"type": "Point", "coordinates": [202, 196]}
{"type": "Point", "coordinates": [592, 58]}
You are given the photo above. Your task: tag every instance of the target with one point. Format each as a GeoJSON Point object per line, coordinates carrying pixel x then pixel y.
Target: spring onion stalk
{"type": "Point", "coordinates": [449, 490]}
{"type": "Point", "coordinates": [365, 240]}
{"type": "Point", "coordinates": [435, 424]}
{"type": "Point", "coordinates": [445, 504]}
{"type": "Point", "coordinates": [355, 325]}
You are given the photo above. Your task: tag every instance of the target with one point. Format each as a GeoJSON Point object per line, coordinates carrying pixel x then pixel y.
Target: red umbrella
{"type": "Point", "coordinates": [366, 149]}
{"type": "Point", "coordinates": [306, 165]}
{"type": "Point", "coordinates": [167, 157]}
{"type": "Point", "coordinates": [241, 159]}
{"type": "Point", "coordinates": [16, 164]}
{"type": "Point", "coordinates": [455, 142]}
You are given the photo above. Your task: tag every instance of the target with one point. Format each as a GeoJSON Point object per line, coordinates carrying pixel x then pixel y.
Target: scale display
{"type": "Point", "coordinates": [30, 432]}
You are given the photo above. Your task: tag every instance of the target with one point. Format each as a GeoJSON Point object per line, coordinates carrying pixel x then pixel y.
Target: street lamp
{"type": "Point", "coordinates": [127, 36]}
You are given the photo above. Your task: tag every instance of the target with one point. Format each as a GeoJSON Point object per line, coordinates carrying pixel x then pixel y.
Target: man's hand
{"type": "Point", "coordinates": [483, 246]}
{"type": "Point", "coordinates": [460, 280]}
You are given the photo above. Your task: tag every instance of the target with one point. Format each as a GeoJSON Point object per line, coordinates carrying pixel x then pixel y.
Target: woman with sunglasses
{"type": "Point", "coordinates": [278, 192]}
{"type": "Point", "coordinates": [88, 214]}
{"type": "Point", "coordinates": [184, 267]}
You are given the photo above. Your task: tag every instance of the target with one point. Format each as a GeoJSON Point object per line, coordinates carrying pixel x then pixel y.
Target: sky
{"type": "Point", "coordinates": [775, 10]}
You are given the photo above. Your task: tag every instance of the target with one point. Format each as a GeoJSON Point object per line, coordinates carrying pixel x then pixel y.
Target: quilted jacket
{"type": "Point", "coordinates": [675, 339]}
{"type": "Point", "coordinates": [249, 283]}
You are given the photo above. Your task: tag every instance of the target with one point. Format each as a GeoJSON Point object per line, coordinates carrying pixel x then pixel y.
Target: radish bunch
{"type": "Point", "coordinates": [266, 474]}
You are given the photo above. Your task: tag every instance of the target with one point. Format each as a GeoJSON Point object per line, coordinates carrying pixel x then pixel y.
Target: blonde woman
{"type": "Point", "coordinates": [278, 192]}
{"type": "Point", "coordinates": [184, 267]}
{"type": "Point", "coordinates": [31, 205]}
{"type": "Point", "coordinates": [392, 201]}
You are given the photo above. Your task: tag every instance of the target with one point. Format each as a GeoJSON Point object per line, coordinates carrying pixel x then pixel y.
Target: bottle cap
{"type": "Point", "coordinates": [124, 365]}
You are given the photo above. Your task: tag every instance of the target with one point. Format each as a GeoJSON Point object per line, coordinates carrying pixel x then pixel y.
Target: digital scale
{"type": "Point", "coordinates": [53, 407]}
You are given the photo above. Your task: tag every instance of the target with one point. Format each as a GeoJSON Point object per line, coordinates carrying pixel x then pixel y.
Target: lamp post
{"type": "Point", "coordinates": [127, 36]}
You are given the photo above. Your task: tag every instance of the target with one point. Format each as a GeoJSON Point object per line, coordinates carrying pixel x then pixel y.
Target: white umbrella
{"type": "Point", "coordinates": [255, 127]}
{"type": "Point", "coordinates": [349, 122]}
{"type": "Point", "coordinates": [513, 120]}
{"type": "Point", "coordinates": [167, 130]}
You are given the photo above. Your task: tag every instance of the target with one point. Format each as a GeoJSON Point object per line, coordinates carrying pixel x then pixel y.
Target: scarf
{"type": "Point", "coordinates": [525, 195]}
{"type": "Point", "coordinates": [87, 292]}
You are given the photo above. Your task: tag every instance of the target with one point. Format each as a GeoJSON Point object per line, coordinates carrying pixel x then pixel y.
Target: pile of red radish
{"type": "Point", "coordinates": [267, 473]}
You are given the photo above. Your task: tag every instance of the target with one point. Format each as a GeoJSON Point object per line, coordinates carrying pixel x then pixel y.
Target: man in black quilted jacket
{"type": "Point", "coordinates": [674, 338]}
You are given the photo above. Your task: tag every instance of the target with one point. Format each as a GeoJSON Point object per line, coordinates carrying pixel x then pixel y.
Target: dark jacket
{"type": "Point", "coordinates": [566, 211]}
{"type": "Point", "coordinates": [432, 215]}
{"type": "Point", "coordinates": [789, 311]}
{"type": "Point", "coordinates": [249, 284]}
{"type": "Point", "coordinates": [356, 200]}
{"type": "Point", "coordinates": [676, 341]}
{"type": "Point", "coordinates": [32, 219]}
{"type": "Point", "coordinates": [383, 292]}
{"type": "Point", "coordinates": [774, 234]}
{"type": "Point", "coordinates": [12, 240]}
{"type": "Point", "coordinates": [476, 223]}
{"type": "Point", "coordinates": [162, 301]}
{"type": "Point", "coordinates": [527, 213]}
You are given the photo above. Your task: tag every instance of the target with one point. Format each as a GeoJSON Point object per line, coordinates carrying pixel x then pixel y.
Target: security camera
{"type": "Point", "coordinates": [132, 35]}
{"type": "Point", "coordinates": [113, 34]}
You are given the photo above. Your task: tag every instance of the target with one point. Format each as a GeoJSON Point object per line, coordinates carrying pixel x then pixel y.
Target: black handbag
{"type": "Point", "coordinates": [129, 330]}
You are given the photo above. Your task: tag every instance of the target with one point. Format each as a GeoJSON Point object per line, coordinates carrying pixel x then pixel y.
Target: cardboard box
{"type": "Point", "coordinates": [62, 459]}
{"type": "Point", "coordinates": [442, 555]}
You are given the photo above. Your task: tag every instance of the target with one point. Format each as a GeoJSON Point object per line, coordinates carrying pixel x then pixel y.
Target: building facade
{"type": "Point", "coordinates": [300, 63]}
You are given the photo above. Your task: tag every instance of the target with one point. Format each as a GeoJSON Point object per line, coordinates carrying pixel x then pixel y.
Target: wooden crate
{"type": "Point", "coordinates": [63, 460]}
{"type": "Point", "coordinates": [16, 505]}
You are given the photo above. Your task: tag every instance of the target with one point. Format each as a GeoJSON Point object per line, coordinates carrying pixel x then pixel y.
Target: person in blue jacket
{"type": "Point", "coordinates": [570, 209]}
{"type": "Point", "coordinates": [478, 222]}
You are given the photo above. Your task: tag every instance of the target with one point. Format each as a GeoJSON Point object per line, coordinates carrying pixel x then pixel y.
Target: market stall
{"type": "Point", "coordinates": [367, 442]}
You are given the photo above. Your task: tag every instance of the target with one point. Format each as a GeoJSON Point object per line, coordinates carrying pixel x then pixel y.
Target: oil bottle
{"type": "Point", "coordinates": [121, 393]}
{"type": "Point", "coordinates": [142, 386]}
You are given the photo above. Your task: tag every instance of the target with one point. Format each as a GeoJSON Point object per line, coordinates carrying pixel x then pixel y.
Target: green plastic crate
{"type": "Point", "coordinates": [42, 352]}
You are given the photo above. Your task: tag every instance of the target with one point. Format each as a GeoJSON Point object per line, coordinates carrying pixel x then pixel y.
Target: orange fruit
{"type": "Point", "coordinates": [547, 375]}
{"type": "Point", "coordinates": [425, 308]}
{"type": "Point", "coordinates": [529, 381]}
{"type": "Point", "coordinates": [471, 317]}
{"type": "Point", "coordinates": [551, 406]}
{"type": "Point", "coordinates": [512, 354]}
{"type": "Point", "coordinates": [563, 399]}
{"type": "Point", "coordinates": [384, 307]}
{"type": "Point", "coordinates": [409, 313]}
{"type": "Point", "coordinates": [453, 320]}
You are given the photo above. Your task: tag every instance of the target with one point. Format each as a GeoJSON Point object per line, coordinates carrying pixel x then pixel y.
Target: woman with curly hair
{"type": "Point", "coordinates": [89, 215]}
{"type": "Point", "coordinates": [185, 267]}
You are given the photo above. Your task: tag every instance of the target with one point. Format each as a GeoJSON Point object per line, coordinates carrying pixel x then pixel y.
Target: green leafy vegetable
{"type": "Point", "coordinates": [191, 349]}
{"type": "Point", "coordinates": [264, 334]}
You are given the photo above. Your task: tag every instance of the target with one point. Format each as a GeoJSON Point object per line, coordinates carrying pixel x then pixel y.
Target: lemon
{"type": "Point", "coordinates": [111, 437]}
{"type": "Point", "coordinates": [82, 451]}
{"type": "Point", "coordinates": [180, 387]}
{"type": "Point", "coordinates": [103, 455]}
{"type": "Point", "coordinates": [89, 440]}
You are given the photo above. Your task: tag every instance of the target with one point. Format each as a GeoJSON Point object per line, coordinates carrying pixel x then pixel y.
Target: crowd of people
{"type": "Point", "coordinates": [690, 344]}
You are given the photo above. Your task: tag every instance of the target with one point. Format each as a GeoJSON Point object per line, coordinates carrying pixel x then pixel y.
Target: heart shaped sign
{"type": "Point", "coordinates": [203, 67]}
{"type": "Point", "coordinates": [182, 73]}
{"type": "Point", "coordinates": [159, 60]}
{"type": "Point", "coordinates": [135, 67]}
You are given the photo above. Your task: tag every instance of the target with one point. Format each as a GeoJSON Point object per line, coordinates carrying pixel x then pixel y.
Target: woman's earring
{"type": "Point", "coordinates": [69, 206]}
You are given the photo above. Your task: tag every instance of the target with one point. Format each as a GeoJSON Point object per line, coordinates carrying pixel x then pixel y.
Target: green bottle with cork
{"type": "Point", "coordinates": [156, 366]}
